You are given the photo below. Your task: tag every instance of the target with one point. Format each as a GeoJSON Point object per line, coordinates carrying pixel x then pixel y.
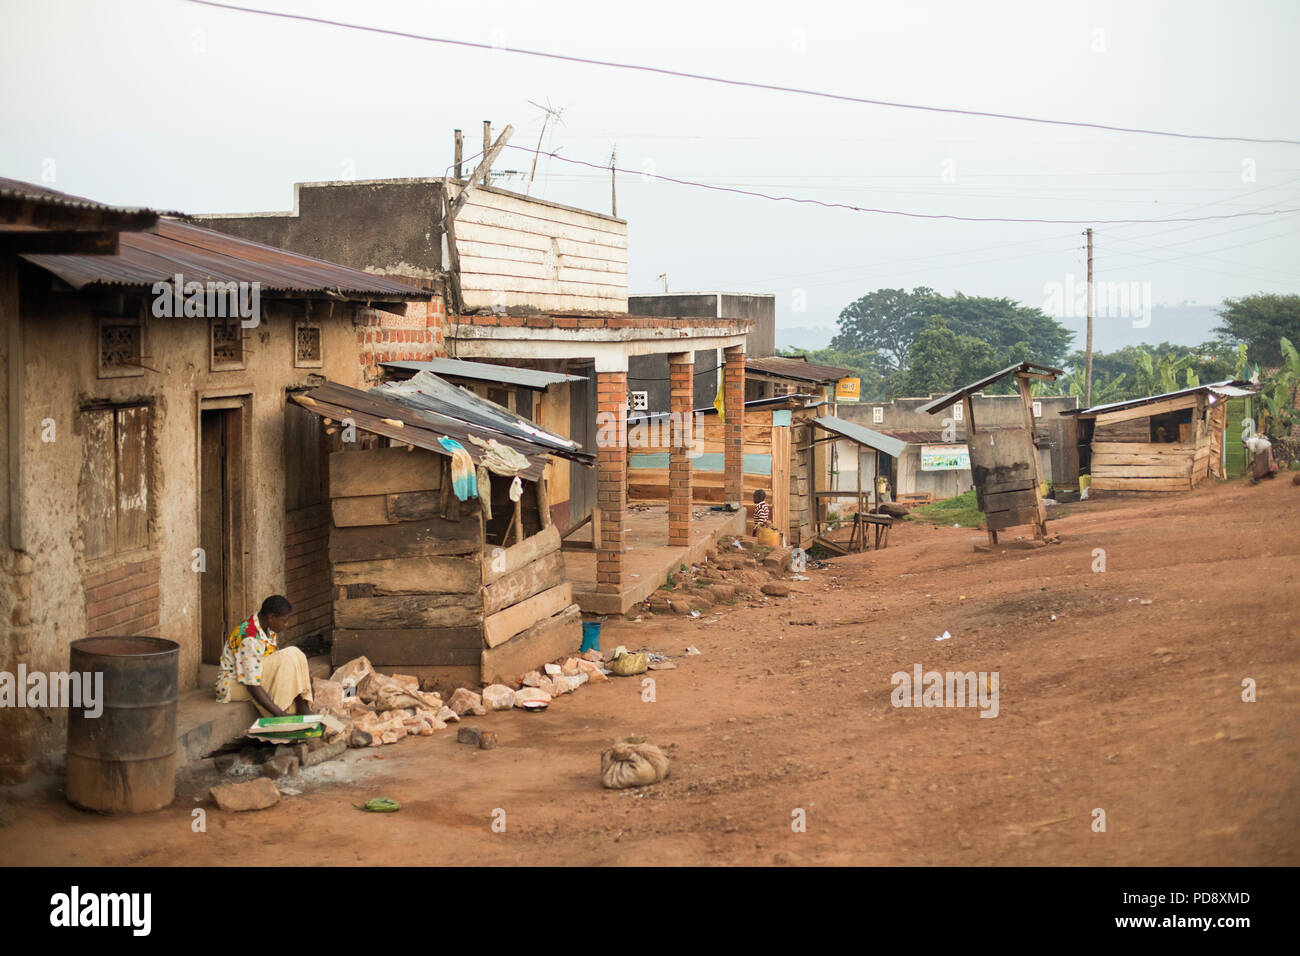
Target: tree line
{"type": "Point", "coordinates": [917, 343]}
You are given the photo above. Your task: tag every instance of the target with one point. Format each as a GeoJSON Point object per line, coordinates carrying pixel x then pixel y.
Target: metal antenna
{"type": "Point", "coordinates": [551, 112]}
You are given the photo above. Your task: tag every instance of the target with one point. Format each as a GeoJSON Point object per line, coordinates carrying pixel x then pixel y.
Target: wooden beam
{"type": "Point", "coordinates": [410, 610]}
{"type": "Point", "coordinates": [382, 471]}
{"type": "Point", "coordinates": [500, 627]}
{"type": "Point", "coordinates": [556, 636]}
{"type": "Point", "coordinates": [417, 575]}
{"type": "Point", "coordinates": [542, 575]}
{"type": "Point", "coordinates": [1146, 411]}
{"type": "Point", "coordinates": [499, 562]}
{"type": "Point", "coordinates": [408, 539]}
{"type": "Point", "coordinates": [481, 170]}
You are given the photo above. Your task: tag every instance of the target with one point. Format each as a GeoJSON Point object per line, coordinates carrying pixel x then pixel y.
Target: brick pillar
{"type": "Point", "coordinates": [611, 478]}
{"type": "Point", "coordinates": [681, 391]}
{"type": "Point", "coordinates": [733, 432]}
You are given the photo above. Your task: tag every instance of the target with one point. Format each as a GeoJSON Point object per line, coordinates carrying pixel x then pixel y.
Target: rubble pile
{"type": "Point", "coordinates": [370, 709]}
{"type": "Point", "coordinates": [738, 569]}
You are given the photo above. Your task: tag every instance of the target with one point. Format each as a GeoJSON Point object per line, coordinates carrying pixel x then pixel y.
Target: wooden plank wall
{"type": "Point", "coordinates": [419, 589]}
{"type": "Point", "coordinates": [517, 251]}
{"type": "Point", "coordinates": [307, 571]}
{"type": "Point", "coordinates": [1139, 464]}
{"type": "Point", "coordinates": [650, 483]}
{"type": "Point", "coordinates": [408, 581]}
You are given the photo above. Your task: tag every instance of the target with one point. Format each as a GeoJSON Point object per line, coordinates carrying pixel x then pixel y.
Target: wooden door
{"type": "Point", "coordinates": [221, 535]}
{"type": "Point", "coordinates": [582, 428]}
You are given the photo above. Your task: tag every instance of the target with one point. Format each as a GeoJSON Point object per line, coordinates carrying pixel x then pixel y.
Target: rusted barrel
{"type": "Point", "coordinates": [124, 760]}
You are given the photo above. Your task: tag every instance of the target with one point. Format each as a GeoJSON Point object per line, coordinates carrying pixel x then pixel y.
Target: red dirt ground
{"type": "Point", "coordinates": [1131, 708]}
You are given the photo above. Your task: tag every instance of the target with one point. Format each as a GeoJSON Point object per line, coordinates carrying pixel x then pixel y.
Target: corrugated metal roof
{"type": "Point", "coordinates": [1228, 388]}
{"type": "Point", "coordinates": [798, 369]}
{"type": "Point", "coordinates": [204, 255]}
{"type": "Point", "coordinates": [943, 401]}
{"type": "Point", "coordinates": [30, 192]}
{"type": "Point", "coordinates": [427, 392]}
{"type": "Point", "coordinates": [395, 416]}
{"type": "Point", "coordinates": [863, 436]}
{"type": "Point", "coordinates": [485, 372]}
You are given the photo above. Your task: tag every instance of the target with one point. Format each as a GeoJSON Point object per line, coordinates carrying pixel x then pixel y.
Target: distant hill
{"type": "Point", "coordinates": [805, 337]}
{"type": "Point", "coordinates": [1185, 324]}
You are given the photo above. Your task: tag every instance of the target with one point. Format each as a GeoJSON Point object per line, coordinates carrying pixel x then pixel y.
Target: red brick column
{"type": "Point", "coordinates": [681, 392]}
{"type": "Point", "coordinates": [611, 478]}
{"type": "Point", "coordinates": [733, 431]}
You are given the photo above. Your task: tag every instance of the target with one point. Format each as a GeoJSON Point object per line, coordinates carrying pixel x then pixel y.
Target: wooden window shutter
{"type": "Point", "coordinates": [98, 484]}
{"type": "Point", "coordinates": [132, 478]}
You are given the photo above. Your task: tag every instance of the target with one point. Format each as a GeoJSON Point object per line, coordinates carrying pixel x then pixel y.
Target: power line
{"type": "Point", "coordinates": [749, 84]}
{"type": "Point", "coordinates": [898, 212]}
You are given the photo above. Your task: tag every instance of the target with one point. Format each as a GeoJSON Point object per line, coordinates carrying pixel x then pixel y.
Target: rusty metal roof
{"type": "Point", "coordinates": [204, 255]}
{"type": "Point", "coordinates": [1228, 388]}
{"type": "Point", "coordinates": [30, 192]}
{"type": "Point", "coordinates": [422, 422]}
{"type": "Point", "coordinates": [798, 369]}
{"type": "Point", "coordinates": [1033, 368]}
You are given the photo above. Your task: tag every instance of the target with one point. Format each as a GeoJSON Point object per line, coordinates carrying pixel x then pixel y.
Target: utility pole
{"type": "Point", "coordinates": [487, 145]}
{"type": "Point", "coordinates": [613, 186]}
{"type": "Point", "coordinates": [1087, 375]}
{"type": "Point", "coordinates": [460, 152]}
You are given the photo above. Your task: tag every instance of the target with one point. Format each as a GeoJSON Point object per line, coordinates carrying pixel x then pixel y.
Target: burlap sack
{"type": "Point", "coordinates": [632, 765]}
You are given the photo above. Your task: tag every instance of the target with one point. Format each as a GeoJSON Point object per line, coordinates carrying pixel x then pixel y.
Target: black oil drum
{"type": "Point", "coordinates": [124, 760]}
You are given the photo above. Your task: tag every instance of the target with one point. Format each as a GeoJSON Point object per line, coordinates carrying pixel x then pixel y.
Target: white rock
{"type": "Point", "coordinates": [526, 694]}
{"type": "Point", "coordinates": [498, 697]}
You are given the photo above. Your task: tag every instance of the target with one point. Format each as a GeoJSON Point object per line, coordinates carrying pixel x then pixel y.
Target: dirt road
{"type": "Point", "coordinates": [1118, 705]}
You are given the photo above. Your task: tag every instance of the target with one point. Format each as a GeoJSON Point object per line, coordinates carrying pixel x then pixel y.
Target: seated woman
{"type": "Point", "coordinates": [253, 668]}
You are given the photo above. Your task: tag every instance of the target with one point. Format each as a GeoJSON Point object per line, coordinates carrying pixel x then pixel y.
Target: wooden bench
{"type": "Point", "coordinates": [861, 522]}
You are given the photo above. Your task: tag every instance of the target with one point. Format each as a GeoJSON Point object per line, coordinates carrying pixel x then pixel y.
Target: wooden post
{"type": "Point", "coordinates": [519, 519]}
{"type": "Point", "coordinates": [460, 153]}
{"type": "Point", "coordinates": [544, 500]}
{"type": "Point", "coordinates": [486, 167]}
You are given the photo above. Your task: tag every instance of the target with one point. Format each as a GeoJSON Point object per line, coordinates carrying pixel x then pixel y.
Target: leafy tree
{"type": "Point", "coordinates": [1261, 321]}
{"type": "Point", "coordinates": [941, 360]}
{"type": "Point", "coordinates": [886, 321]}
{"type": "Point", "coordinates": [992, 333]}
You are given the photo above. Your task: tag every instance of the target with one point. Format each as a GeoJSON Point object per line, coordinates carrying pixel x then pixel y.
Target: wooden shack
{"type": "Point", "coordinates": [1004, 461]}
{"type": "Point", "coordinates": [426, 583]}
{"type": "Point", "coordinates": [1162, 443]}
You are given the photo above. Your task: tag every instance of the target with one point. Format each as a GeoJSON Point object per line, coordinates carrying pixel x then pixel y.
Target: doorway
{"type": "Point", "coordinates": [221, 522]}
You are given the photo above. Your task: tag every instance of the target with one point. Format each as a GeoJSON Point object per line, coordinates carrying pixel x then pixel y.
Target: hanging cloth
{"type": "Point", "coordinates": [485, 492]}
{"type": "Point", "coordinates": [463, 480]}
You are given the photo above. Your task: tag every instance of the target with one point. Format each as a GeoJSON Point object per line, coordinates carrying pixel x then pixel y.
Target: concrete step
{"type": "Point", "coordinates": [203, 725]}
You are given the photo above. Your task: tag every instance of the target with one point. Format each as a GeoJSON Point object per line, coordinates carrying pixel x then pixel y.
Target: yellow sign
{"type": "Point", "coordinates": [848, 390]}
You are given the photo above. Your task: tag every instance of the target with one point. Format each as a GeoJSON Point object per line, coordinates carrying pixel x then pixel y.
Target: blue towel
{"type": "Point", "coordinates": [463, 480]}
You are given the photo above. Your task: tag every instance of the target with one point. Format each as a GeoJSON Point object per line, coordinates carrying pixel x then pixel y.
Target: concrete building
{"type": "Point", "coordinates": [647, 375]}
{"type": "Point", "coordinates": [539, 285]}
{"type": "Point", "coordinates": [158, 482]}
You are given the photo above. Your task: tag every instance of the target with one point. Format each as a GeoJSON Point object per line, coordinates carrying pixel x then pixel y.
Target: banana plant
{"type": "Point", "coordinates": [1277, 393]}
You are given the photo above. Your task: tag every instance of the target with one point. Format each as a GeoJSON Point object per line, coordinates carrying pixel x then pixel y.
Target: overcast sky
{"type": "Point", "coordinates": [177, 106]}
